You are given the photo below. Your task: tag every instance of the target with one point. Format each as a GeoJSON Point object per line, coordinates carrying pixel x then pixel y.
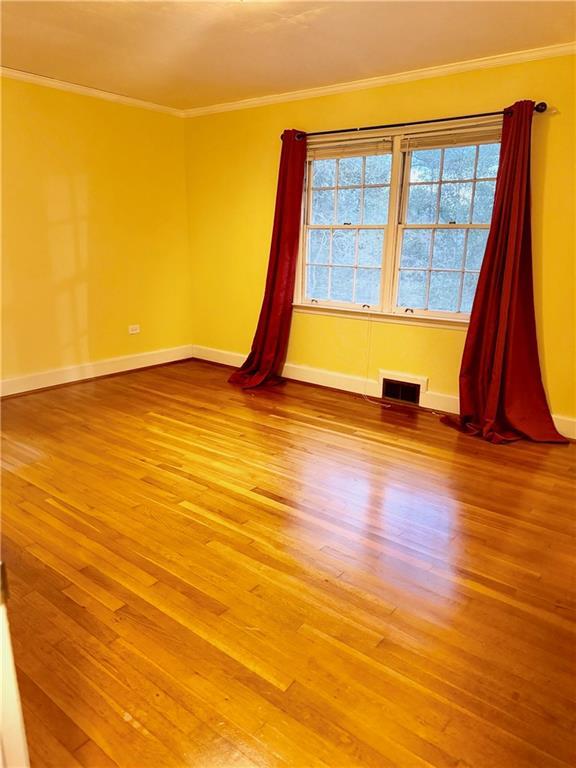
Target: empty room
{"type": "Point", "coordinates": [288, 384]}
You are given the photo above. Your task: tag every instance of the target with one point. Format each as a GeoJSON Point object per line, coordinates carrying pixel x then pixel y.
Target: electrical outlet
{"type": "Point", "coordinates": [133, 329]}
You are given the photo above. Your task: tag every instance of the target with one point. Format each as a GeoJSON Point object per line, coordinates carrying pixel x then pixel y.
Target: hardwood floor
{"type": "Point", "coordinates": [205, 577]}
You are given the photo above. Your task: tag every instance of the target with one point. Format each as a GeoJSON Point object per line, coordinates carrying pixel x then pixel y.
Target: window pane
{"type": "Point", "coordinates": [317, 283]}
{"type": "Point", "coordinates": [425, 165]}
{"type": "Point", "coordinates": [370, 245]}
{"type": "Point", "coordinates": [342, 285]}
{"type": "Point", "coordinates": [475, 249]}
{"type": "Point", "coordinates": [322, 207]}
{"type": "Point", "coordinates": [324, 173]}
{"type": "Point", "coordinates": [459, 163]}
{"type": "Point", "coordinates": [415, 248]}
{"type": "Point", "coordinates": [350, 171]}
{"type": "Point", "coordinates": [412, 289]}
{"type": "Point", "coordinates": [468, 291]}
{"type": "Point", "coordinates": [368, 286]}
{"type": "Point", "coordinates": [455, 203]}
{"type": "Point", "coordinates": [378, 169]}
{"type": "Point", "coordinates": [422, 204]}
{"type": "Point", "coordinates": [319, 246]}
{"type": "Point", "coordinates": [444, 290]}
{"type": "Point", "coordinates": [439, 264]}
{"type": "Point", "coordinates": [483, 202]}
{"type": "Point", "coordinates": [448, 248]}
{"type": "Point", "coordinates": [488, 159]}
{"type": "Point", "coordinates": [343, 246]}
{"type": "Point", "coordinates": [348, 206]}
{"type": "Point", "coordinates": [376, 205]}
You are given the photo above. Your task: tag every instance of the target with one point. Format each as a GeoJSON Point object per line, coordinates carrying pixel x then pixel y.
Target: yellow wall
{"type": "Point", "coordinates": [102, 229]}
{"type": "Point", "coordinates": [233, 160]}
{"type": "Point", "coordinates": [95, 234]}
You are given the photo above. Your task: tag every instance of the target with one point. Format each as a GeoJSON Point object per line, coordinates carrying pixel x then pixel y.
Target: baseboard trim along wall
{"type": "Point", "coordinates": [52, 378]}
{"type": "Point", "coordinates": [436, 401]}
{"type": "Point", "coordinates": [343, 381]}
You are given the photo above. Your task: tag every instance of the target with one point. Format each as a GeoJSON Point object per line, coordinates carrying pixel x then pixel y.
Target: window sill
{"type": "Point", "coordinates": [429, 321]}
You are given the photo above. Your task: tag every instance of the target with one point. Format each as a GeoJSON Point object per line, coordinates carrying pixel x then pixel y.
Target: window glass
{"type": "Point", "coordinates": [426, 233]}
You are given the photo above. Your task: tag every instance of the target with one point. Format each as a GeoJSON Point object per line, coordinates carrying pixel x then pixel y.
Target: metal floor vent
{"type": "Point", "coordinates": [403, 391]}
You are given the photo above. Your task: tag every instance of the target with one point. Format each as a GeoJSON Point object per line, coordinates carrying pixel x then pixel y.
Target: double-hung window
{"type": "Point", "coordinates": [397, 224]}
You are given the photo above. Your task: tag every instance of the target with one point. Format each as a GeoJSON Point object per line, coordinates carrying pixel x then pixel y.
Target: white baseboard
{"type": "Point", "coordinates": [343, 381]}
{"type": "Point", "coordinates": [436, 401]}
{"type": "Point", "coordinates": [222, 356]}
{"type": "Point", "coordinates": [91, 370]}
{"type": "Point", "coordinates": [333, 379]}
{"type": "Point", "coordinates": [566, 425]}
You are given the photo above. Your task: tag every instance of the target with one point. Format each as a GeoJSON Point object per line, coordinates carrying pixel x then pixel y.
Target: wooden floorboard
{"type": "Point", "coordinates": [298, 577]}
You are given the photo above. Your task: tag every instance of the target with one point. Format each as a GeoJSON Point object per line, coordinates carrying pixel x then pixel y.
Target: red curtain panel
{"type": "Point", "coordinates": [501, 393]}
{"type": "Point", "coordinates": [265, 361]}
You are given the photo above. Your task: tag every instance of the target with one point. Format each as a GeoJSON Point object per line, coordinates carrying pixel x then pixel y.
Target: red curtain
{"type": "Point", "coordinates": [266, 358]}
{"type": "Point", "coordinates": [501, 393]}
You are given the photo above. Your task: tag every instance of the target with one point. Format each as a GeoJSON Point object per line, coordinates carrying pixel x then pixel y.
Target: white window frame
{"type": "Point", "coordinates": [454, 134]}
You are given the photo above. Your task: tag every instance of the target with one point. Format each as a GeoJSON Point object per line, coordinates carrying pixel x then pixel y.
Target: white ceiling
{"type": "Point", "coordinates": [192, 54]}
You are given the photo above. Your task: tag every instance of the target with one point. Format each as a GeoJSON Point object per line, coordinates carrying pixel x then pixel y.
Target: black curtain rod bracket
{"type": "Point", "coordinates": [541, 106]}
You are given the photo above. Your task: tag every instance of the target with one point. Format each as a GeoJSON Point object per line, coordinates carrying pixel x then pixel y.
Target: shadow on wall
{"type": "Point", "coordinates": [56, 280]}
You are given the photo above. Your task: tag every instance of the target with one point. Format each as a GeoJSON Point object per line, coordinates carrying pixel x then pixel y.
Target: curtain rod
{"type": "Point", "coordinates": [540, 107]}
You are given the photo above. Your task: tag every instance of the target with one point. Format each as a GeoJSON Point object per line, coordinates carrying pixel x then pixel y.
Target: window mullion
{"type": "Point", "coordinates": [362, 179]}
{"type": "Point", "coordinates": [355, 268]}
{"type": "Point", "coordinates": [303, 244]}
{"type": "Point", "coordinates": [334, 218]}
{"type": "Point", "coordinates": [463, 270]}
{"type": "Point", "coordinates": [391, 238]}
{"type": "Point", "coordinates": [429, 269]}
{"type": "Point", "coordinates": [336, 182]}
{"type": "Point", "coordinates": [439, 193]}
{"type": "Point", "coordinates": [474, 184]}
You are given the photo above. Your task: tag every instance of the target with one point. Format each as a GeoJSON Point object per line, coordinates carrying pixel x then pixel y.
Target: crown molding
{"type": "Point", "coordinates": [82, 90]}
{"type": "Point", "coordinates": [487, 62]}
